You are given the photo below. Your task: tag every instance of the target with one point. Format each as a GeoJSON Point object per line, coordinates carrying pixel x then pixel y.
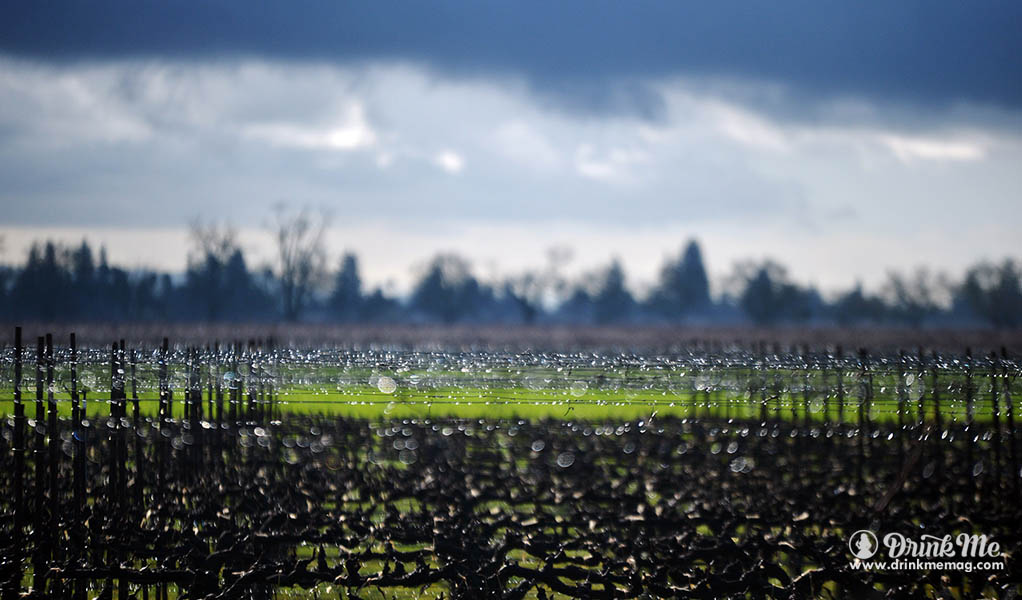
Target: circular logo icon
{"type": "Point", "coordinates": [863, 544]}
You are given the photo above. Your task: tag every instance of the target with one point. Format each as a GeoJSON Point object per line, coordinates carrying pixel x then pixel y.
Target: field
{"type": "Point", "coordinates": [724, 471]}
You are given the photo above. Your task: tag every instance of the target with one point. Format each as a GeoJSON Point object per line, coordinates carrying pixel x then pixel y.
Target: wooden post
{"type": "Point", "coordinates": [239, 389]}
{"type": "Point", "coordinates": [1009, 417]}
{"type": "Point", "coordinates": [840, 387]}
{"type": "Point", "coordinates": [823, 365]}
{"type": "Point", "coordinates": [865, 389]}
{"type": "Point", "coordinates": [197, 370]}
{"type": "Point", "coordinates": [193, 387]}
{"type": "Point", "coordinates": [793, 353]}
{"type": "Point", "coordinates": [971, 485]}
{"type": "Point", "coordinates": [902, 400]}
{"type": "Point", "coordinates": [777, 382]}
{"type": "Point", "coordinates": [270, 383]}
{"type": "Point", "coordinates": [218, 382]}
{"type": "Point", "coordinates": [806, 387]}
{"type": "Point", "coordinates": [995, 412]}
{"type": "Point", "coordinates": [195, 392]}
{"type": "Point", "coordinates": [920, 379]}
{"type": "Point", "coordinates": [14, 585]}
{"type": "Point", "coordinates": [53, 444]}
{"type": "Point", "coordinates": [762, 388]}
{"type": "Point", "coordinates": [39, 456]}
{"type": "Point", "coordinates": [164, 416]}
{"type": "Point", "coordinates": [189, 400]}
{"type": "Point", "coordinates": [165, 409]}
{"type": "Point", "coordinates": [78, 470]}
{"type": "Point", "coordinates": [81, 484]}
{"type": "Point", "coordinates": [136, 418]}
{"type": "Point", "coordinates": [234, 392]}
{"type": "Point", "coordinates": [115, 471]}
{"type": "Point", "coordinates": [122, 428]}
{"type": "Point", "coordinates": [76, 415]}
{"type": "Point", "coordinates": [934, 382]}
{"type": "Point", "coordinates": [94, 524]}
{"type": "Point", "coordinates": [934, 375]}
{"type": "Point", "coordinates": [707, 399]}
{"type": "Point", "coordinates": [262, 384]}
{"type": "Point", "coordinates": [121, 390]}
{"type": "Point", "coordinates": [133, 360]}
{"type": "Point", "coordinates": [76, 425]}
{"type": "Point", "coordinates": [209, 383]}
{"type": "Point", "coordinates": [250, 411]}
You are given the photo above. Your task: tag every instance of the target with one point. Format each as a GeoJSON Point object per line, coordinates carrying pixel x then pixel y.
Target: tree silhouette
{"type": "Point", "coordinates": [855, 306]}
{"type": "Point", "coordinates": [769, 297]}
{"type": "Point", "coordinates": [994, 293]}
{"type": "Point", "coordinates": [683, 288]}
{"type": "Point", "coordinates": [207, 282]}
{"type": "Point", "coordinates": [301, 258]}
{"type": "Point", "coordinates": [613, 302]}
{"type": "Point", "coordinates": [448, 291]}
{"type": "Point", "coordinates": [912, 299]}
{"type": "Point", "coordinates": [44, 284]}
{"type": "Point", "coordinates": [346, 300]}
{"type": "Point", "coordinates": [56, 282]}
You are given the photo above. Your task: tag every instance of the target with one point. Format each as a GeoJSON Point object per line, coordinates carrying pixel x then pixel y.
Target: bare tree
{"type": "Point", "coordinates": [206, 282]}
{"type": "Point", "coordinates": [212, 240]}
{"type": "Point", "coordinates": [301, 257]}
{"type": "Point", "coordinates": [536, 291]}
{"type": "Point", "coordinates": [916, 297]}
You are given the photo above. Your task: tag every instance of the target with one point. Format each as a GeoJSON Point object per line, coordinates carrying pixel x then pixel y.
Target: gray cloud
{"type": "Point", "coordinates": [408, 160]}
{"type": "Point", "coordinates": [575, 53]}
{"type": "Point", "coordinates": [152, 141]}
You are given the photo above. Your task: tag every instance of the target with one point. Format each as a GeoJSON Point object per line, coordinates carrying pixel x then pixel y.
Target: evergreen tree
{"type": "Point", "coordinates": [769, 297]}
{"type": "Point", "coordinates": [613, 302]}
{"type": "Point", "coordinates": [346, 300]}
{"type": "Point", "coordinates": [683, 288]}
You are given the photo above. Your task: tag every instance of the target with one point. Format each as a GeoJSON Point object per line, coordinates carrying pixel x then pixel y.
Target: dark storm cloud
{"type": "Point", "coordinates": [923, 52]}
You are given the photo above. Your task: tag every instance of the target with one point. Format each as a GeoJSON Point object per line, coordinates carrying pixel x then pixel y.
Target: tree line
{"type": "Point", "coordinates": [74, 283]}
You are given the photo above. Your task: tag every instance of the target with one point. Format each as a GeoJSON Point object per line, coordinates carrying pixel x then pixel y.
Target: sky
{"type": "Point", "coordinates": [840, 139]}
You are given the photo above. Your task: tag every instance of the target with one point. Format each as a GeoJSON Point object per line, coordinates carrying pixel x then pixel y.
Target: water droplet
{"type": "Point", "coordinates": [565, 459]}
{"type": "Point", "coordinates": [386, 385]}
{"type": "Point", "coordinates": [538, 445]}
